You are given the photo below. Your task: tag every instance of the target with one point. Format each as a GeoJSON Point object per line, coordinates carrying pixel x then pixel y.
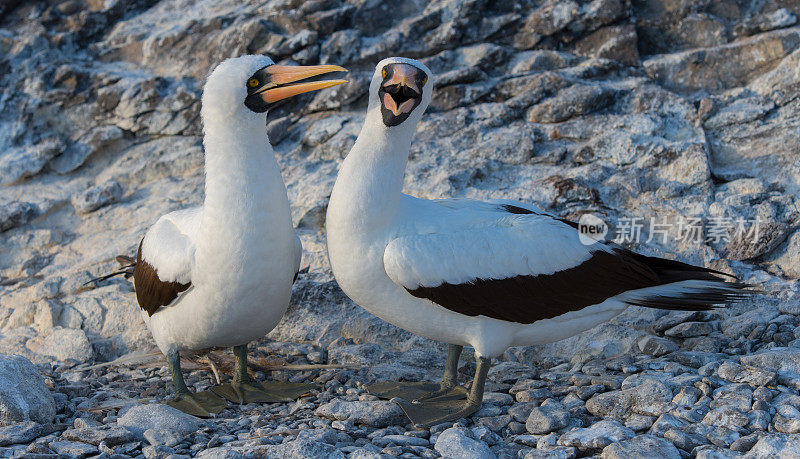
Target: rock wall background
{"type": "Point", "coordinates": [641, 108]}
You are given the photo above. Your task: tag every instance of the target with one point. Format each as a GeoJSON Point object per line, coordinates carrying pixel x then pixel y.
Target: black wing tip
{"type": "Point", "coordinates": [701, 299]}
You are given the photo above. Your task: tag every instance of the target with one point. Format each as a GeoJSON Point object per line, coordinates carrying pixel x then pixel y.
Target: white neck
{"type": "Point", "coordinates": [246, 212]}
{"type": "Point", "coordinates": [369, 186]}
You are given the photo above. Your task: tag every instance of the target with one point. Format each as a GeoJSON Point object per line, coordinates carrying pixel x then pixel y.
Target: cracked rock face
{"type": "Point", "coordinates": [675, 111]}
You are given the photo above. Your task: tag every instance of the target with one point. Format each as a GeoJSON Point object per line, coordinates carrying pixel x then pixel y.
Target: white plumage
{"type": "Point", "coordinates": [220, 275]}
{"type": "Point", "coordinates": [238, 250]}
{"type": "Point", "coordinates": [437, 267]}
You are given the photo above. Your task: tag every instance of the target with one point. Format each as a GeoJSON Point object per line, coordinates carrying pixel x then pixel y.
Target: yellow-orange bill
{"type": "Point", "coordinates": [276, 94]}
{"type": "Point", "coordinates": [282, 74]}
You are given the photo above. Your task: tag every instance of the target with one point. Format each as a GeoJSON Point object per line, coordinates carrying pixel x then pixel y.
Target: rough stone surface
{"type": "Point", "coordinates": [23, 394]}
{"type": "Point", "coordinates": [663, 111]}
{"type": "Point", "coordinates": [597, 436]}
{"type": "Point", "coordinates": [161, 417]}
{"type": "Point", "coordinates": [372, 413]}
{"type": "Point", "coordinates": [458, 442]}
{"type": "Point", "coordinates": [642, 446]}
{"type": "Point", "coordinates": [548, 417]}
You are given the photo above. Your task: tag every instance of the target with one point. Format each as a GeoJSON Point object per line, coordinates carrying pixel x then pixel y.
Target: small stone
{"type": "Point", "coordinates": [111, 436]}
{"type": "Point", "coordinates": [689, 329]}
{"type": "Point", "coordinates": [494, 423]}
{"type": "Point", "coordinates": [511, 372]}
{"type": "Point", "coordinates": [638, 423]}
{"type": "Point", "coordinates": [726, 416]}
{"type": "Point", "coordinates": [745, 374]}
{"type": "Point", "coordinates": [558, 452]}
{"type": "Point", "coordinates": [164, 437]}
{"type": "Point", "coordinates": [73, 448]}
{"type": "Point", "coordinates": [458, 442]}
{"type": "Point", "coordinates": [400, 440]}
{"type": "Point", "coordinates": [641, 446]}
{"type": "Point", "coordinates": [598, 435]}
{"type": "Point", "coordinates": [722, 436]}
{"type": "Point", "coordinates": [521, 411]}
{"type": "Point", "coordinates": [655, 346]}
{"type": "Point", "coordinates": [156, 416]}
{"type": "Point", "coordinates": [21, 432]}
{"type": "Point", "coordinates": [744, 444]}
{"type": "Point", "coordinates": [776, 445]}
{"type": "Point", "coordinates": [685, 439]}
{"type": "Point", "coordinates": [650, 399]}
{"type": "Point", "coordinates": [23, 393]}
{"type": "Point", "coordinates": [549, 417]}
{"type": "Point", "coordinates": [371, 413]}
{"type": "Point", "coordinates": [787, 419]}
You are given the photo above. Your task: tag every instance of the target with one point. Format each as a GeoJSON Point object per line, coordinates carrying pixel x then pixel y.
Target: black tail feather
{"type": "Point", "coordinates": [127, 265]}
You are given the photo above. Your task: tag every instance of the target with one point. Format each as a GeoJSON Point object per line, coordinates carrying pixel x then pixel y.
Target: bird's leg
{"type": "Point", "coordinates": [448, 388]}
{"type": "Point", "coordinates": [435, 411]}
{"type": "Point", "coordinates": [244, 389]}
{"type": "Point", "coordinates": [203, 404]}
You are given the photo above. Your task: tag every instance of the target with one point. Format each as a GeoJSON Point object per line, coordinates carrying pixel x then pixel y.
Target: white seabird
{"type": "Point", "coordinates": [490, 275]}
{"type": "Point", "coordinates": [221, 274]}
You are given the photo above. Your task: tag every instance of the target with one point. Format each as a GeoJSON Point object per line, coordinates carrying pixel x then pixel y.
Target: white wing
{"type": "Point", "coordinates": [512, 245]}
{"type": "Point", "coordinates": [169, 245]}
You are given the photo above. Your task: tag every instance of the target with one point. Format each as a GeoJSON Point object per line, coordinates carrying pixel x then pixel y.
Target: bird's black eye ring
{"type": "Point", "coordinates": [253, 82]}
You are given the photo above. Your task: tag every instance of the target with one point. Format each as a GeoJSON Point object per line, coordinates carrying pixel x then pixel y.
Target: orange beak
{"type": "Point", "coordinates": [280, 86]}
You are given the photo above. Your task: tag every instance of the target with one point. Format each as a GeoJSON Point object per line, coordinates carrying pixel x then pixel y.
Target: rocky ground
{"type": "Point", "coordinates": [673, 110]}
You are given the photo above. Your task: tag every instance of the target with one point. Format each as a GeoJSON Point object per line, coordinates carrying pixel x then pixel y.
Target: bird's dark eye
{"type": "Point", "coordinates": [383, 73]}
{"type": "Point", "coordinates": [424, 79]}
{"type": "Point", "coordinates": [253, 82]}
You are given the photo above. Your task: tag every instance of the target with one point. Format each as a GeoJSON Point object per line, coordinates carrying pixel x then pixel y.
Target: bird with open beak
{"type": "Point", "coordinates": [487, 274]}
{"type": "Point", "coordinates": [220, 275]}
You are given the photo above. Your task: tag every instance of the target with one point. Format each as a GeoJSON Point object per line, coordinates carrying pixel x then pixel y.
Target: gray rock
{"type": "Point", "coordinates": [689, 329]}
{"type": "Point", "coordinates": [783, 361]}
{"type": "Point", "coordinates": [16, 213]}
{"type": "Point", "coordinates": [23, 393]}
{"type": "Point", "coordinates": [557, 452]}
{"type": "Point", "coordinates": [742, 325]}
{"type": "Point", "coordinates": [159, 417]}
{"type": "Point", "coordinates": [97, 196]}
{"type": "Point", "coordinates": [111, 436]}
{"type": "Point", "coordinates": [776, 445]}
{"type": "Point", "coordinates": [677, 71]}
{"type": "Point", "coordinates": [714, 452]}
{"type": "Point", "coordinates": [655, 346]}
{"type": "Point", "coordinates": [21, 432]}
{"type": "Point", "coordinates": [73, 448]}
{"type": "Point", "coordinates": [642, 446]}
{"type": "Point", "coordinates": [726, 417]}
{"type": "Point", "coordinates": [548, 417]}
{"type": "Point", "coordinates": [371, 413]}
{"type": "Point", "coordinates": [458, 442]}
{"type": "Point", "coordinates": [598, 435]}
{"type": "Point", "coordinates": [650, 399]}
{"type": "Point", "coordinates": [62, 344]}
{"type": "Point", "coordinates": [20, 163]}
{"type": "Point", "coordinates": [686, 438]}
{"type": "Point", "coordinates": [304, 448]}
{"type": "Point", "coordinates": [742, 374]}
{"type": "Point", "coordinates": [510, 372]}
